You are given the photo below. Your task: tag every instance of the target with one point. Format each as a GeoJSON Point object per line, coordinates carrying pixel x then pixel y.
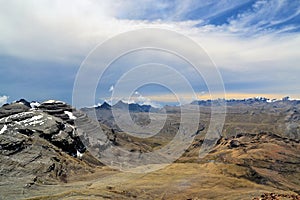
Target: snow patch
{"type": "Point", "coordinates": [38, 119]}
{"type": "Point", "coordinates": [271, 100]}
{"type": "Point", "coordinates": [40, 122]}
{"type": "Point", "coordinates": [71, 116]}
{"type": "Point", "coordinates": [19, 115]}
{"type": "Point", "coordinates": [34, 104]}
{"type": "Point", "coordinates": [53, 101]}
{"type": "Point", "coordinates": [35, 118]}
{"type": "Point", "coordinates": [4, 128]}
{"type": "Point", "coordinates": [79, 155]}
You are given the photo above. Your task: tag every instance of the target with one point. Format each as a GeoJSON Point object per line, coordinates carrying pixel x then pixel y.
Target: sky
{"type": "Point", "coordinates": [254, 45]}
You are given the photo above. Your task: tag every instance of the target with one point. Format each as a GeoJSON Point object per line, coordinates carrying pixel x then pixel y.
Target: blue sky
{"type": "Point", "coordinates": [254, 44]}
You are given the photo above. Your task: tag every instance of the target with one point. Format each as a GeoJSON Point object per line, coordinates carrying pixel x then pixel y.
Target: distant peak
{"type": "Point", "coordinates": [23, 101]}
{"type": "Point", "coordinates": [105, 105]}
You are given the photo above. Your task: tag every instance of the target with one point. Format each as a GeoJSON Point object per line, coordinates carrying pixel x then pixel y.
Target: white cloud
{"type": "Point", "coordinates": [265, 14]}
{"type": "Point", "coordinates": [142, 100]}
{"type": "Point", "coordinates": [111, 89]}
{"type": "Point", "coordinates": [3, 100]}
{"type": "Point", "coordinates": [68, 30]}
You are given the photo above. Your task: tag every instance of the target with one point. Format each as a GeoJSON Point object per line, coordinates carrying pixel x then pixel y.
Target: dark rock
{"type": "Point", "coordinates": [46, 122]}
{"type": "Point", "coordinates": [234, 144]}
{"type": "Point", "coordinates": [39, 145]}
{"type": "Point", "coordinates": [133, 107]}
{"type": "Point", "coordinates": [105, 106]}
{"type": "Point", "coordinates": [55, 108]}
{"type": "Point", "coordinates": [23, 101]}
{"type": "Point", "coordinates": [11, 144]}
{"type": "Point", "coordinates": [13, 108]}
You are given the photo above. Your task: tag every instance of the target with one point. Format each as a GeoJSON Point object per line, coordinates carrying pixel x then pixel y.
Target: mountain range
{"type": "Point", "coordinates": [43, 154]}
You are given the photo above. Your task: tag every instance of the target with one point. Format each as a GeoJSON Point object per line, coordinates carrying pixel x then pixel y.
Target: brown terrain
{"type": "Point", "coordinates": [44, 156]}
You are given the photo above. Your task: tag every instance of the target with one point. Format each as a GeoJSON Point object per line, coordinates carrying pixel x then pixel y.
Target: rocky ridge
{"type": "Point", "coordinates": [39, 144]}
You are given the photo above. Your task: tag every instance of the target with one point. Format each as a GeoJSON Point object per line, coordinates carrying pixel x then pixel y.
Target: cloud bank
{"type": "Point", "coordinates": [254, 43]}
{"type": "Point", "coordinates": [3, 100]}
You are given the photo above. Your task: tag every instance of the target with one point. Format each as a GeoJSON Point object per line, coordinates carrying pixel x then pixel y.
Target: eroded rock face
{"type": "Point", "coordinates": [58, 109]}
{"type": "Point", "coordinates": [39, 144]}
{"type": "Point", "coordinates": [40, 124]}
{"type": "Point", "coordinates": [265, 158]}
{"type": "Point", "coordinates": [11, 109]}
{"type": "Point", "coordinates": [270, 196]}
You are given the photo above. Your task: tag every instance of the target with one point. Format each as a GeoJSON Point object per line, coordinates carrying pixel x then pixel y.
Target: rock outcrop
{"type": "Point", "coordinates": [274, 196]}
{"type": "Point", "coordinates": [263, 158]}
{"type": "Point", "coordinates": [40, 145]}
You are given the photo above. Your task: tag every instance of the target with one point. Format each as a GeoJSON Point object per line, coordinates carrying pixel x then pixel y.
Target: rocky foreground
{"type": "Point", "coordinates": [39, 144]}
{"type": "Point", "coordinates": [43, 157]}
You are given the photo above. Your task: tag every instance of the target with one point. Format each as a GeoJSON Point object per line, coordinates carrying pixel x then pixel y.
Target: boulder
{"type": "Point", "coordinates": [234, 144]}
